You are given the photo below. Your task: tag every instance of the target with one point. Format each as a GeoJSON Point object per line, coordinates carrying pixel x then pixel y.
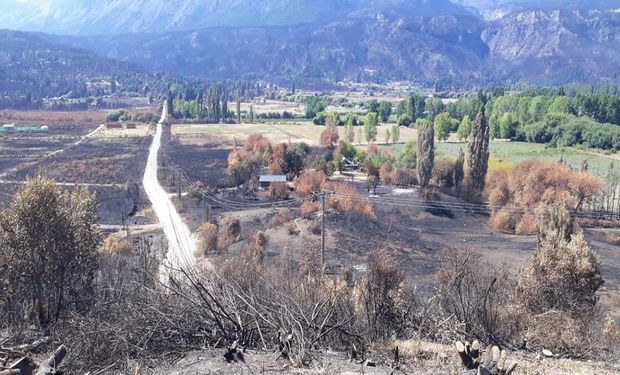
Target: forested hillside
{"type": "Point", "coordinates": [32, 69]}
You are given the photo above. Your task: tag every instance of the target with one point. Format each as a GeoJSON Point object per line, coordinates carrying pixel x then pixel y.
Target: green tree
{"type": "Point", "coordinates": [388, 136]}
{"type": "Point", "coordinates": [508, 126]}
{"type": "Point", "coordinates": [404, 120]}
{"type": "Point", "coordinates": [442, 126]}
{"type": "Point", "coordinates": [407, 158]}
{"type": "Point", "coordinates": [562, 104]}
{"type": "Point", "coordinates": [415, 107]}
{"type": "Point", "coordinates": [370, 127]}
{"type": "Point", "coordinates": [48, 244]}
{"type": "Point", "coordinates": [359, 136]}
{"type": "Point", "coordinates": [372, 106]}
{"type": "Point", "coordinates": [494, 126]}
{"type": "Point", "coordinates": [333, 119]}
{"type": "Point", "coordinates": [350, 119]}
{"type": "Point", "coordinates": [425, 154]}
{"type": "Point", "coordinates": [349, 133]}
{"type": "Point", "coordinates": [464, 129]}
{"type": "Point", "coordinates": [395, 133]}
{"type": "Point", "coordinates": [478, 161]}
{"type": "Point", "coordinates": [434, 107]}
{"type": "Point", "coordinates": [385, 110]}
{"type": "Point", "coordinates": [314, 105]}
{"type": "Point", "coordinates": [251, 114]}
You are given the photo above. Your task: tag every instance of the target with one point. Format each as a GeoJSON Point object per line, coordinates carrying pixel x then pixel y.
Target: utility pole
{"type": "Point", "coordinates": [322, 228]}
{"type": "Point", "coordinates": [179, 185]}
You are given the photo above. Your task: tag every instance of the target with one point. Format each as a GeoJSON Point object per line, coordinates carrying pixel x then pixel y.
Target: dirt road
{"type": "Point", "coordinates": [181, 243]}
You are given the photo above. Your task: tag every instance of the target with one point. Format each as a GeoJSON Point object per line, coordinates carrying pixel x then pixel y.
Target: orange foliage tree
{"type": "Point", "coordinates": [329, 138]}
{"type": "Point", "coordinates": [309, 182]}
{"type": "Point", "coordinates": [519, 195]}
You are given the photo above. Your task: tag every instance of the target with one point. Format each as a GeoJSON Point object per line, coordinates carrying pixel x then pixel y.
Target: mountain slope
{"type": "Point", "coordinates": [91, 17]}
{"type": "Point", "coordinates": [548, 46]}
{"type": "Point", "coordinates": [32, 68]}
{"type": "Point", "coordinates": [421, 48]}
{"type": "Point", "coordinates": [556, 45]}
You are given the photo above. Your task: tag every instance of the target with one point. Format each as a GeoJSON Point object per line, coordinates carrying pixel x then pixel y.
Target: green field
{"type": "Point", "coordinates": [520, 151]}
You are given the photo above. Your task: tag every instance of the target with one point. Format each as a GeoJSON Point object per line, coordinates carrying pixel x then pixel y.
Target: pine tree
{"type": "Point", "coordinates": [425, 153]}
{"type": "Point", "coordinates": [478, 161]}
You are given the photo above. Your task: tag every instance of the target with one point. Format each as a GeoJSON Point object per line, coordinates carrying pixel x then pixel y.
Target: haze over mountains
{"type": "Point", "coordinates": [551, 41]}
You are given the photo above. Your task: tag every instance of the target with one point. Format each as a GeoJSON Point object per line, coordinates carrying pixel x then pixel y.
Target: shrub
{"type": "Point", "coordinates": [309, 207]}
{"type": "Point", "coordinates": [113, 246]}
{"type": "Point", "coordinates": [378, 297]}
{"type": "Point", "coordinates": [231, 232]}
{"type": "Point", "coordinates": [309, 182]}
{"type": "Point", "coordinates": [562, 275]}
{"type": "Point", "coordinates": [386, 172]}
{"type": "Point", "coordinates": [478, 295]}
{"type": "Point", "coordinates": [291, 228]}
{"type": "Point", "coordinates": [404, 177]}
{"type": "Point", "coordinates": [257, 244]}
{"type": "Point", "coordinates": [532, 186]}
{"type": "Point", "coordinates": [347, 198]}
{"type": "Point", "coordinates": [259, 146]}
{"type": "Point", "coordinates": [315, 227]}
{"type": "Point", "coordinates": [329, 138]}
{"type": "Point", "coordinates": [207, 234]}
{"type": "Point", "coordinates": [279, 220]}
{"type": "Point", "coordinates": [278, 191]}
{"type": "Point", "coordinates": [116, 116]}
{"type": "Point", "coordinates": [443, 173]}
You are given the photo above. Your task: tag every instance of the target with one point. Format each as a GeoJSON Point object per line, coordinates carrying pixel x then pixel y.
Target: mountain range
{"type": "Point", "coordinates": [464, 41]}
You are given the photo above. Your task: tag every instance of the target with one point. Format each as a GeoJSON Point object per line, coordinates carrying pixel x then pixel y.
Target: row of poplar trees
{"type": "Point", "coordinates": [477, 161]}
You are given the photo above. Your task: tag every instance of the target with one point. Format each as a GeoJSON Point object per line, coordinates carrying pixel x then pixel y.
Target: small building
{"type": "Point", "coordinates": [8, 128]}
{"type": "Point", "coordinates": [266, 180]}
{"type": "Point", "coordinates": [350, 165]}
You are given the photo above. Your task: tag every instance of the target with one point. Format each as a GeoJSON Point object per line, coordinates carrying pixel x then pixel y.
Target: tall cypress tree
{"type": "Point", "coordinates": [425, 153]}
{"type": "Point", "coordinates": [478, 161]}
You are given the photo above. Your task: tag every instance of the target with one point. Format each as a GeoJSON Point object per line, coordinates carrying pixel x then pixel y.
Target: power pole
{"type": "Point", "coordinates": [179, 185]}
{"type": "Point", "coordinates": [322, 228]}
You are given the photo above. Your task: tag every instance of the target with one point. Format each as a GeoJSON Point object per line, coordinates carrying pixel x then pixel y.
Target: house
{"type": "Point", "coordinates": [349, 165]}
{"type": "Point", "coordinates": [266, 180]}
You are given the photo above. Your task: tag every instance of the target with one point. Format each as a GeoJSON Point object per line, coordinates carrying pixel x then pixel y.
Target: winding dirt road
{"type": "Point", "coordinates": [181, 243]}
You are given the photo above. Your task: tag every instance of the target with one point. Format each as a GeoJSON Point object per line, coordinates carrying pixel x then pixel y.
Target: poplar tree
{"type": "Point", "coordinates": [478, 161]}
{"type": "Point", "coordinates": [425, 153]}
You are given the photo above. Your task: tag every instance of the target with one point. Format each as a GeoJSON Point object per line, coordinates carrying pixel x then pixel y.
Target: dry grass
{"type": "Point", "coordinates": [275, 132]}
{"type": "Point", "coordinates": [53, 117]}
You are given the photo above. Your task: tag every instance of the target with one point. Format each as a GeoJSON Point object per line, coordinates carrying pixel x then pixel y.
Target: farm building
{"type": "Point", "coordinates": [266, 180]}
{"type": "Point", "coordinates": [12, 128]}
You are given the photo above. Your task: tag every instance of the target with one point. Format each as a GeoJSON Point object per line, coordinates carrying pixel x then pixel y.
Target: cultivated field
{"type": "Point", "coordinates": [109, 161]}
